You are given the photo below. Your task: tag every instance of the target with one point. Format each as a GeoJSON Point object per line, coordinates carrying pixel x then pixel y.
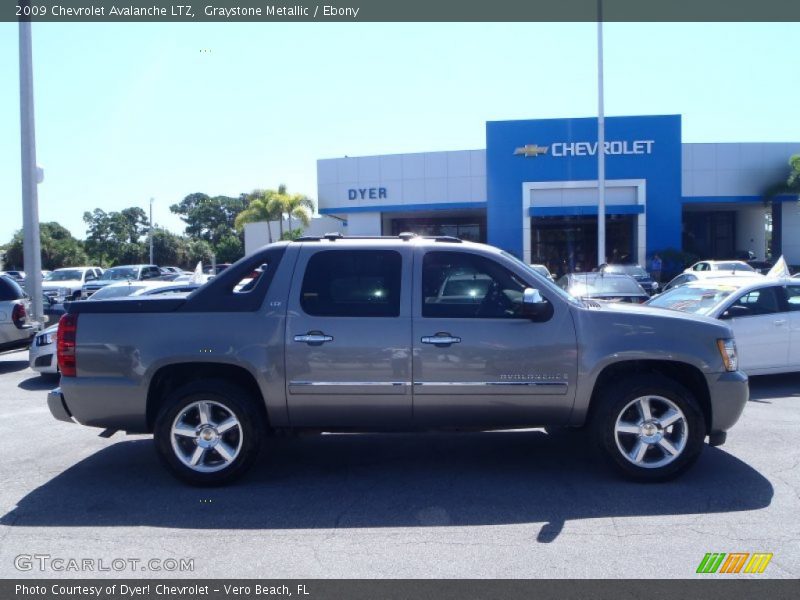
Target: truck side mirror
{"type": "Point", "coordinates": [535, 307]}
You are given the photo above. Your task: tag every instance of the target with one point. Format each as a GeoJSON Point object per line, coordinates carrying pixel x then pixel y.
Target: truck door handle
{"type": "Point", "coordinates": [313, 338]}
{"type": "Point", "coordinates": [779, 322]}
{"type": "Point", "coordinates": [441, 339]}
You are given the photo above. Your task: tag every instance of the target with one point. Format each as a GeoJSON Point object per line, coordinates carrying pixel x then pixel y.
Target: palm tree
{"type": "Point", "coordinates": [263, 206]}
{"type": "Point", "coordinates": [295, 205]}
{"type": "Point", "coordinates": [272, 205]}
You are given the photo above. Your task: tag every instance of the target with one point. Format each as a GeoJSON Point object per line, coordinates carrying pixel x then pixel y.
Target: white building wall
{"type": "Point", "coordinates": [734, 169]}
{"type": "Point", "coordinates": [751, 231]}
{"type": "Point", "coordinates": [256, 235]}
{"type": "Point", "coordinates": [397, 179]}
{"type": "Point", "coordinates": [791, 232]}
{"type": "Point", "coordinates": [364, 223]}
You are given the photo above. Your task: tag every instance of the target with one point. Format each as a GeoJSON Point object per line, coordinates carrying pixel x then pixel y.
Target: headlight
{"type": "Point", "coordinates": [45, 339]}
{"type": "Point", "coordinates": [655, 285]}
{"type": "Point", "coordinates": [727, 348]}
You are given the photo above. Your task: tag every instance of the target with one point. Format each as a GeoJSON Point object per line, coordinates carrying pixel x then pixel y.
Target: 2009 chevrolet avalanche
{"type": "Point", "coordinates": [402, 333]}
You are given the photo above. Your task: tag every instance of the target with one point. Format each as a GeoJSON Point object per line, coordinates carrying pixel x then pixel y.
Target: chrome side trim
{"type": "Point", "coordinates": [493, 383]}
{"type": "Point", "coordinates": [349, 383]}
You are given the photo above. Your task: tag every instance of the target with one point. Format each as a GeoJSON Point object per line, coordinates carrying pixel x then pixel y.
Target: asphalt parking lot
{"type": "Point", "coordinates": [514, 504]}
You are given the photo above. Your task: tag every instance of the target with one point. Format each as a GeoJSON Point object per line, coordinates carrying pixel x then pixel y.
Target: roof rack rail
{"type": "Point", "coordinates": [405, 236]}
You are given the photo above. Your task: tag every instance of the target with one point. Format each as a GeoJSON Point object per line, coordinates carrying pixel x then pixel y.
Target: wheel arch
{"type": "Point", "coordinates": [170, 377]}
{"type": "Point", "coordinates": [683, 373]}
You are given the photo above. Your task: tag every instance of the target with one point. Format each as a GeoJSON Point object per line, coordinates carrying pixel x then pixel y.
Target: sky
{"type": "Point", "coordinates": [129, 112]}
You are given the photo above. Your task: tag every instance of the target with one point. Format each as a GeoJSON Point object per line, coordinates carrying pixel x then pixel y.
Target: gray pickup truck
{"type": "Point", "coordinates": [402, 333]}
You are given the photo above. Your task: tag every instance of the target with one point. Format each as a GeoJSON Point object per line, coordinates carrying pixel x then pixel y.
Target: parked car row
{"type": "Point", "coordinates": [76, 283]}
{"type": "Point", "coordinates": [763, 311]}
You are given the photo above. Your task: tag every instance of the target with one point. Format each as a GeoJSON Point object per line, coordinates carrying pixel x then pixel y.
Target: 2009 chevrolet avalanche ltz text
{"type": "Point", "coordinates": [402, 333]}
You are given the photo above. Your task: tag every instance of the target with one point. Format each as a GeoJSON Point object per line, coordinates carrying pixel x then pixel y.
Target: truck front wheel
{"type": "Point", "coordinates": [649, 427]}
{"type": "Point", "coordinates": [208, 432]}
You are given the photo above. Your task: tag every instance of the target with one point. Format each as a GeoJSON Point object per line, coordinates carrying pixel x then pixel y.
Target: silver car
{"type": "Point", "coordinates": [16, 330]}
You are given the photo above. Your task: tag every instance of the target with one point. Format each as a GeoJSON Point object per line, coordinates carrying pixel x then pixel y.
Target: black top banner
{"type": "Point", "coordinates": [399, 10]}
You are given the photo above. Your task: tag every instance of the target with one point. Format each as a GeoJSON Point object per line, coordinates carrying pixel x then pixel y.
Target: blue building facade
{"type": "Point", "coordinates": [533, 191]}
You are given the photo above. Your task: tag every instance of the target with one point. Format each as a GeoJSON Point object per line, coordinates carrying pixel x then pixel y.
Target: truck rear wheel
{"type": "Point", "coordinates": [208, 432]}
{"type": "Point", "coordinates": [650, 428]}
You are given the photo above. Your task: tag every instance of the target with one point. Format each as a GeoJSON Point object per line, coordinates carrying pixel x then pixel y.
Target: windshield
{"type": "Point", "coordinates": [633, 270]}
{"type": "Point", "coordinates": [734, 266]}
{"type": "Point", "coordinates": [115, 291]}
{"type": "Point", "coordinates": [120, 273]}
{"type": "Point", "coordinates": [68, 275]}
{"type": "Point", "coordinates": [692, 299]}
{"type": "Point", "coordinates": [592, 284]}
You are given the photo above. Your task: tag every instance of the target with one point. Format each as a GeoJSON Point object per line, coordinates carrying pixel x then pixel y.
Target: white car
{"type": "Point", "coordinates": [764, 314]}
{"type": "Point", "coordinates": [720, 265]}
{"type": "Point", "coordinates": [542, 270]}
{"type": "Point", "coordinates": [684, 278]}
{"type": "Point", "coordinates": [42, 354]}
{"type": "Point", "coordinates": [65, 284]}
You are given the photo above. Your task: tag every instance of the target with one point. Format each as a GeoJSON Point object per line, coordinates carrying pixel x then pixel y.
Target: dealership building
{"type": "Point", "coordinates": [533, 192]}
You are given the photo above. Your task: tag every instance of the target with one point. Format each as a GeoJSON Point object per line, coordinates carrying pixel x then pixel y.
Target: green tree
{"type": "Point", "coordinates": [99, 236]}
{"type": "Point", "coordinates": [59, 248]}
{"type": "Point", "coordinates": [116, 237]}
{"type": "Point", "coordinates": [229, 249]}
{"type": "Point", "coordinates": [793, 182]}
{"type": "Point", "coordinates": [199, 251]}
{"type": "Point", "coordinates": [129, 225]}
{"type": "Point", "coordinates": [207, 218]}
{"type": "Point", "coordinates": [170, 249]}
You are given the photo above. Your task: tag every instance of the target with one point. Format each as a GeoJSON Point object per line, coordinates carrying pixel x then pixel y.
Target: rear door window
{"type": "Point", "coordinates": [352, 283]}
{"type": "Point", "coordinates": [10, 289]}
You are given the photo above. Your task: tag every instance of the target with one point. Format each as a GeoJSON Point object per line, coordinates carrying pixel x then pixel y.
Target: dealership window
{"type": "Point", "coordinates": [352, 283]}
{"type": "Point", "coordinates": [460, 285]}
{"type": "Point", "coordinates": [568, 244]}
{"type": "Point", "coordinates": [469, 228]}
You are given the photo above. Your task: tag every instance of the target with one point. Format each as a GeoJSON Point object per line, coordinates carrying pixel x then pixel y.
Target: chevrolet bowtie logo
{"type": "Point", "coordinates": [530, 150]}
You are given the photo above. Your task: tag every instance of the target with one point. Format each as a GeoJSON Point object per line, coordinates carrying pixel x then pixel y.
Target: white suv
{"type": "Point", "coordinates": [66, 284]}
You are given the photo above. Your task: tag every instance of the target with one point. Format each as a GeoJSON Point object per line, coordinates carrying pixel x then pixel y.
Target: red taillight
{"type": "Point", "coordinates": [67, 332]}
{"type": "Point", "coordinates": [18, 315]}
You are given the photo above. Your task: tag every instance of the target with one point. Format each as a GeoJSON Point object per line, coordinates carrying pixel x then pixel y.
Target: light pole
{"type": "Point", "coordinates": [30, 175]}
{"type": "Point", "coordinates": [601, 142]}
{"type": "Point", "coordinates": [151, 231]}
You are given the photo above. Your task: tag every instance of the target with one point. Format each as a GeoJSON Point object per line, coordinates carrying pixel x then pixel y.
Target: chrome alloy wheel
{"type": "Point", "coordinates": [206, 436]}
{"type": "Point", "coordinates": [651, 431]}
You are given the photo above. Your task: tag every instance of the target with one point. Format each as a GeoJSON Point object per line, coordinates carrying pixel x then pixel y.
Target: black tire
{"type": "Point", "coordinates": [619, 400]}
{"type": "Point", "coordinates": [241, 443]}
